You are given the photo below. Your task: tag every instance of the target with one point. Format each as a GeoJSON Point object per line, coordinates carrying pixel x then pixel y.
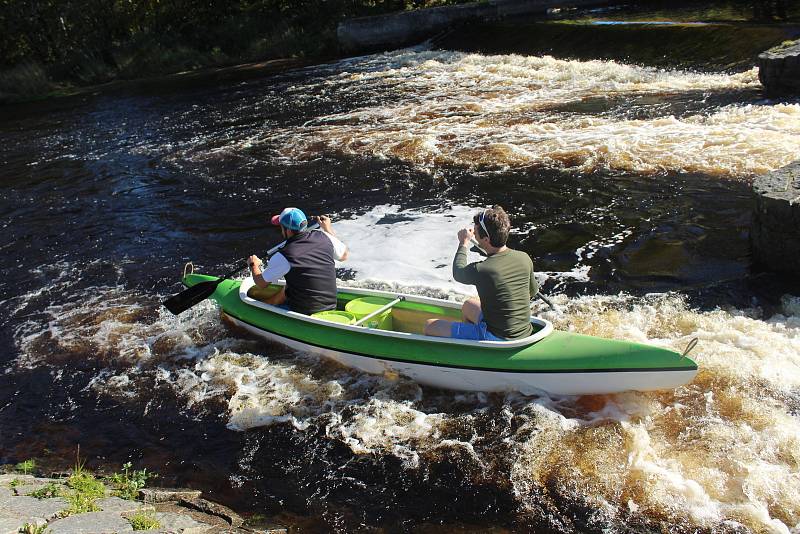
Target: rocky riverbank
{"type": "Point", "coordinates": [779, 68]}
{"type": "Point", "coordinates": [39, 505]}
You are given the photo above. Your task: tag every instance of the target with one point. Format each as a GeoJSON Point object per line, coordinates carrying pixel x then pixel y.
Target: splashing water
{"type": "Point", "coordinates": [499, 112]}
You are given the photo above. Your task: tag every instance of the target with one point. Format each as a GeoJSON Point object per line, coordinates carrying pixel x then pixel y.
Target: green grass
{"type": "Point", "coordinates": [82, 490]}
{"type": "Point", "coordinates": [26, 467]}
{"type": "Point", "coordinates": [143, 521]}
{"type": "Point", "coordinates": [128, 483]}
{"type": "Point", "coordinates": [50, 490]}
{"type": "Point", "coordinates": [30, 528]}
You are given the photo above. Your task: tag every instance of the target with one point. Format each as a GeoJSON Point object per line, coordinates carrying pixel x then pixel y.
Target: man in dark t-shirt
{"type": "Point", "coordinates": [306, 261]}
{"type": "Point", "coordinates": [505, 284]}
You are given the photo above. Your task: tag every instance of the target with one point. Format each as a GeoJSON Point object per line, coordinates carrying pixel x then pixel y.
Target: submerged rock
{"type": "Point", "coordinates": [779, 68]}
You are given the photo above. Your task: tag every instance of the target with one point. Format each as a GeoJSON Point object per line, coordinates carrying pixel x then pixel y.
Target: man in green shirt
{"type": "Point", "coordinates": [504, 280]}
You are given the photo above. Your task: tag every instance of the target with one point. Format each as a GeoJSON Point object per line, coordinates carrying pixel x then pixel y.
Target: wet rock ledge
{"type": "Point", "coordinates": [25, 508]}
{"type": "Point", "coordinates": [775, 235]}
{"type": "Point", "coordinates": [779, 69]}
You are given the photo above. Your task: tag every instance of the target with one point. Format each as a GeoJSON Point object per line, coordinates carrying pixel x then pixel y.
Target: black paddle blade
{"type": "Point", "coordinates": [191, 296]}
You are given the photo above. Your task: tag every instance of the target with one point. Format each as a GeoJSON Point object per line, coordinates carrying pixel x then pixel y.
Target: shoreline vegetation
{"type": "Point", "coordinates": [79, 500]}
{"type": "Point", "coordinates": [54, 48]}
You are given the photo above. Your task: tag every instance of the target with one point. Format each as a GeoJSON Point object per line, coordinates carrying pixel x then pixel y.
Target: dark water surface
{"type": "Point", "coordinates": [105, 197]}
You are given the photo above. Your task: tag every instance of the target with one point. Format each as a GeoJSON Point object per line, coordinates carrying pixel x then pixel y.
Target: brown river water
{"type": "Point", "coordinates": [627, 185]}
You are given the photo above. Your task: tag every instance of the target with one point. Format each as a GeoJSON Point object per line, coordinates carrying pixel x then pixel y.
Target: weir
{"type": "Point", "coordinates": [371, 34]}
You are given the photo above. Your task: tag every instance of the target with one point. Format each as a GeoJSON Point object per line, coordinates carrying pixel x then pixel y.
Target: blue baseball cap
{"type": "Point", "coordinates": [291, 218]}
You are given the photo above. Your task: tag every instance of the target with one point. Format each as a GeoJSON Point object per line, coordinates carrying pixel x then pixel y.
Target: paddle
{"type": "Point", "coordinates": [477, 248]}
{"type": "Point", "coordinates": [197, 293]}
{"type": "Point", "coordinates": [378, 311]}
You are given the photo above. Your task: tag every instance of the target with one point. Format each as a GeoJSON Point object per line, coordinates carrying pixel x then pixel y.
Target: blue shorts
{"type": "Point", "coordinates": [478, 332]}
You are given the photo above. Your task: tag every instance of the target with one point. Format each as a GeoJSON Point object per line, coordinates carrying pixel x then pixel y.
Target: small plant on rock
{"type": "Point", "coordinates": [14, 483]}
{"type": "Point", "coordinates": [82, 490]}
{"type": "Point", "coordinates": [26, 467]}
{"type": "Point", "coordinates": [30, 528]}
{"type": "Point", "coordinates": [143, 521]}
{"type": "Point", "coordinates": [50, 490]}
{"type": "Point", "coordinates": [130, 481]}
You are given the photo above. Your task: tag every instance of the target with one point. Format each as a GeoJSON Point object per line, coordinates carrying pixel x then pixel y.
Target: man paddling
{"type": "Point", "coordinates": [505, 283]}
{"type": "Point", "coordinates": [306, 262]}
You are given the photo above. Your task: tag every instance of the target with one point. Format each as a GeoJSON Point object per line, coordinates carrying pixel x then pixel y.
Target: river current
{"type": "Point", "coordinates": [627, 185]}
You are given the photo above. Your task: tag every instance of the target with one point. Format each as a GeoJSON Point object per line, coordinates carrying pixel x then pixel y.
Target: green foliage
{"type": "Point", "coordinates": [26, 467]}
{"type": "Point", "coordinates": [82, 490]}
{"type": "Point", "coordinates": [30, 528]}
{"type": "Point", "coordinates": [25, 79]}
{"type": "Point", "coordinates": [14, 483]}
{"type": "Point", "coordinates": [50, 490]}
{"type": "Point", "coordinates": [143, 521]}
{"type": "Point", "coordinates": [130, 481]}
{"type": "Point", "coordinates": [92, 41]}
{"type": "Point", "coordinates": [86, 484]}
{"type": "Point", "coordinates": [79, 503]}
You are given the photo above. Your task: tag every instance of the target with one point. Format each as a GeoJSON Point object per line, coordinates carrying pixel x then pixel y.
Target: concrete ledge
{"type": "Point", "coordinates": [395, 30]}
{"type": "Point", "coordinates": [775, 235]}
{"type": "Point", "coordinates": [779, 69]}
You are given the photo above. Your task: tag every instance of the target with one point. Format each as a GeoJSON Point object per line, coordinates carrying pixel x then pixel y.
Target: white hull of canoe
{"type": "Point", "coordinates": [462, 379]}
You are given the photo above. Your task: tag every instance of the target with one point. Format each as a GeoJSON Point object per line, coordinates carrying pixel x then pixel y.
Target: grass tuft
{"type": "Point", "coordinates": [143, 521]}
{"type": "Point", "coordinates": [82, 490]}
{"type": "Point", "coordinates": [130, 481]}
{"type": "Point", "coordinates": [50, 490]}
{"type": "Point", "coordinates": [26, 467]}
{"type": "Point", "coordinates": [30, 528]}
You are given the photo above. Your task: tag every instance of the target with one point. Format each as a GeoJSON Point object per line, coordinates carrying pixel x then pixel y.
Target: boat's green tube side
{"type": "Point", "coordinates": [560, 351]}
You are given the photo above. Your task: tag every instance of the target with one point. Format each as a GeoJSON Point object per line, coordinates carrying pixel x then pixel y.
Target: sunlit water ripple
{"type": "Point", "coordinates": [624, 183]}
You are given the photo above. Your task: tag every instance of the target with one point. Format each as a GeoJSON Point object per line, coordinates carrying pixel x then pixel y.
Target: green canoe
{"type": "Point", "coordinates": [551, 361]}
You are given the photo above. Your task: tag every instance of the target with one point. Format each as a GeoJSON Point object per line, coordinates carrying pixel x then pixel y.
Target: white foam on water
{"type": "Point", "coordinates": [495, 112]}
{"type": "Point", "coordinates": [411, 250]}
{"type": "Point", "coordinates": [723, 449]}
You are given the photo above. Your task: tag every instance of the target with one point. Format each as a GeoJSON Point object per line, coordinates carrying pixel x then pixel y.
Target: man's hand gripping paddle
{"type": "Point", "coordinates": [189, 297]}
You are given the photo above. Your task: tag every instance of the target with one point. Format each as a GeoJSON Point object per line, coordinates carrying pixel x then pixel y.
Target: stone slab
{"type": "Point", "coordinates": [6, 492]}
{"type": "Point", "coordinates": [5, 480]}
{"type": "Point", "coordinates": [33, 507]}
{"type": "Point", "coordinates": [779, 68]}
{"type": "Point", "coordinates": [181, 524]}
{"type": "Point", "coordinates": [10, 525]}
{"type": "Point", "coordinates": [153, 495]}
{"type": "Point", "coordinates": [91, 523]}
{"type": "Point", "coordinates": [27, 489]}
{"type": "Point", "coordinates": [775, 231]}
{"type": "Point", "coordinates": [211, 508]}
{"type": "Point", "coordinates": [116, 504]}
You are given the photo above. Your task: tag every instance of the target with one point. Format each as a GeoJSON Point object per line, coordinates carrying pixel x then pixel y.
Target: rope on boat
{"type": "Point", "coordinates": [188, 269]}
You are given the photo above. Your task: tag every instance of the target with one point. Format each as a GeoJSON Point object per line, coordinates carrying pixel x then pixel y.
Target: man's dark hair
{"type": "Point", "coordinates": [497, 224]}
